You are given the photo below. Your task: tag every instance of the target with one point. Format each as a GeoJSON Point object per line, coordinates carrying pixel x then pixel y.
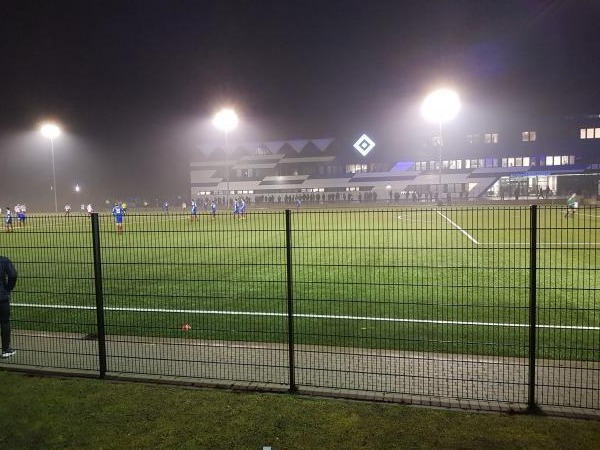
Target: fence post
{"type": "Point", "coordinates": [531, 401]}
{"type": "Point", "coordinates": [99, 294]}
{"type": "Point", "coordinates": [290, 300]}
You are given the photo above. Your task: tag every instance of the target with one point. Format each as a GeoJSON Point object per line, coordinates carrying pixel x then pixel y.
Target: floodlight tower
{"type": "Point", "coordinates": [226, 120]}
{"type": "Point", "coordinates": [52, 131]}
{"type": "Point", "coordinates": [440, 106]}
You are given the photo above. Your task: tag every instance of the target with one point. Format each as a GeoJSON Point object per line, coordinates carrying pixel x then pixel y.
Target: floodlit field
{"type": "Point", "coordinates": [450, 279]}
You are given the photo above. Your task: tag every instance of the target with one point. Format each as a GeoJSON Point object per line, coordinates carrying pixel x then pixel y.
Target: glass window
{"type": "Point", "coordinates": [557, 160]}
{"type": "Point", "coordinates": [511, 162]}
{"type": "Point", "coordinates": [467, 164]}
{"type": "Point", "coordinates": [459, 164]}
{"type": "Point", "coordinates": [597, 133]}
{"type": "Point", "coordinates": [589, 133]}
{"type": "Point", "coordinates": [519, 162]}
{"type": "Point", "coordinates": [549, 160]}
{"type": "Point", "coordinates": [582, 133]}
{"type": "Point", "coordinates": [525, 136]}
{"type": "Point", "coordinates": [526, 162]}
{"type": "Point", "coordinates": [452, 164]}
{"type": "Point", "coordinates": [572, 159]}
{"type": "Point", "coordinates": [532, 136]}
{"type": "Point", "coordinates": [504, 162]}
{"type": "Point", "coordinates": [564, 160]}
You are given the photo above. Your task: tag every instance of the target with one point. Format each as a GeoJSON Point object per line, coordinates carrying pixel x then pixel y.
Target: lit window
{"type": "Point", "coordinates": [490, 138]}
{"type": "Point", "coordinates": [582, 133]}
{"type": "Point", "coordinates": [557, 160]}
{"type": "Point", "coordinates": [597, 133]}
{"type": "Point", "coordinates": [549, 160]}
{"type": "Point", "coordinates": [589, 133]}
{"type": "Point", "coordinates": [511, 162]}
{"type": "Point", "coordinates": [526, 161]}
{"type": "Point", "coordinates": [519, 162]}
{"type": "Point", "coordinates": [356, 168]}
{"type": "Point", "coordinates": [504, 162]}
{"type": "Point", "coordinates": [528, 136]}
{"type": "Point", "coordinates": [564, 160]}
{"type": "Point", "coordinates": [572, 159]}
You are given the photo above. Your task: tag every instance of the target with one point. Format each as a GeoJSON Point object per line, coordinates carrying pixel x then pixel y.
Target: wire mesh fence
{"type": "Point", "coordinates": [482, 307]}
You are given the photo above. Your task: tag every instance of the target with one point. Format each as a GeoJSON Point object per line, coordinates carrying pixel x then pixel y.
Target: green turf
{"type": "Point", "coordinates": [422, 278]}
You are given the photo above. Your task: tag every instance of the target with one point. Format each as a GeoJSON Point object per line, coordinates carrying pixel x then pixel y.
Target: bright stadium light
{"type": "Point", "coordinates": [52, 131]}
{"type": "Point", "coordinates": [226, 120]}
{"type": "Point", "coordinates": [440, 106]}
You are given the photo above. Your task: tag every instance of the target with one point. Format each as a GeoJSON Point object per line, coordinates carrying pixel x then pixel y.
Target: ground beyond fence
{"type": "Point", "coordinates": [488, 308]}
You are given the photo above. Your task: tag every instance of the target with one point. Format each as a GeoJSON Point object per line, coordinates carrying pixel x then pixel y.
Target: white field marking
{"type": "Point", "coordinates": [589, 215]}
{"type": "Point", "coordinates": [313, 316]}
{"type": "Point", "coordinates": [539, 244]}
{"type": "Point", "coordinates": [458, 228]}
{"type": "Point", "coordinates": [416, 220]}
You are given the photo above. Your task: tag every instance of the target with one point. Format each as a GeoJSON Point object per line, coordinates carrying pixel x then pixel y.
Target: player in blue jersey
{"type": "Point", "coordinates": [8, 221]}
{"type": "Point", "coordinates": [236, 209]}
{"type": "Point", "coordinates": [20, 209]}
{"type": "Point", "coordinates": [117, 212]}
{"type": "Point", "coordinates": [213, 209]}
{"type": "Point", "coordinates": [242, 209]}
{"type": "Point", "coordinates": [194, 211]}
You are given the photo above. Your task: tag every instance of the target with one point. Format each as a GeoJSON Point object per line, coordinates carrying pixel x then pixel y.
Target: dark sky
{"type": "Point", "coordinates": [134, 83]}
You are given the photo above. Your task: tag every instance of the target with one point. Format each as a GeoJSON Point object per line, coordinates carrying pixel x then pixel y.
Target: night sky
{"type": "Point", "coordinates": [135, 83]}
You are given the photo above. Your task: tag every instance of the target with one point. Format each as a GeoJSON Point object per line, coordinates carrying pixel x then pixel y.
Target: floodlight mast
{"type": "Point", "coordinates": [52, 131]}
{"type": "Point", "coordinates": [226, 120]}
{"type": "Point", "coordinates": [440, 106]}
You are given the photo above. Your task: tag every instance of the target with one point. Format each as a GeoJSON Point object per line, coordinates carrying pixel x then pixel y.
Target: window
{"type": "Point", "coordinates": [528, 136]}
{"type": "Point", "coordinates": [473, 139]}
{"type": "Point", "coordinates": [490, 138]}
{"type": "Point", "coordinates": [589, 133]}
{"type": "Point", "coordinates": [356, 168]}
{"type": "Point", "coordinates": [526, 161]}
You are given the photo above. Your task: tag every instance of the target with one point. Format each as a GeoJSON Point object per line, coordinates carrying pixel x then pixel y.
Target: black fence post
{"type": "Point", "coordinates": [99, 294]}
{"type": "Point", "coordinates": [290, 300]}
{"type": "Point", "coordinates": [531, 401]}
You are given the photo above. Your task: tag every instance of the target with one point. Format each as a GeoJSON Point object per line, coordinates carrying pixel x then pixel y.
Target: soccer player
{"type": "Point", "coordinates": [194, 216]}
{"type": "Point", "coordinates": [20, 215]}
{"type": "Point", "coordinates": [571, 205]}
{"type": "Point", "coordinates": [213, 209]}
{"type": "Point", "coordinates": [8, 221]}
{"type": "Point", "coordinates": [242, 209]}
{"type": "Point", "coordinates": [117, 212]}
{"type": "Point", "coordinates": [236, 209]}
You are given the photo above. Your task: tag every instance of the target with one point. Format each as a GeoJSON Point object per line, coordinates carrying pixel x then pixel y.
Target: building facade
{"type": "Point", "coordinates": [548, 157]}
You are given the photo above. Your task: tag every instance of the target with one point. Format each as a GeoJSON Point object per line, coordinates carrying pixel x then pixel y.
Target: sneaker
{"type": "Point", "coordinates": [8, 353]}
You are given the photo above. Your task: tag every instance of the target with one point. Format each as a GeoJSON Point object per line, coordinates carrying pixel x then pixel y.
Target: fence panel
{"type": "Point", "coordinates": [422, 304]}
{"type": "Point", "coordinates": [54, 301]}
{"type": "Point", "coordinates": [568, 298]}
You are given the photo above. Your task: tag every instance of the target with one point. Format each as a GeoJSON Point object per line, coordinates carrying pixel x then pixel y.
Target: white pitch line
{"type": "Point", "coordinates": [458, 228]}
{"type": "Point", "coordinates": [314, 316]}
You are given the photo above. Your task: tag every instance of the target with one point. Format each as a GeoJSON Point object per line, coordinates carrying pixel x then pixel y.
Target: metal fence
{"type": "Point", "coordinates": [483, 308]}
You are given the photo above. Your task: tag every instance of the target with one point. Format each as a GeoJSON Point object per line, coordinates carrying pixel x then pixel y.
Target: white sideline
{"type": "Point", "coordinates": [314, 316]}
{"type": "Point", "coordinates": [458, 228]}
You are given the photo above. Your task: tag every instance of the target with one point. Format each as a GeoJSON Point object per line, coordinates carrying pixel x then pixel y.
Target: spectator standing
{"type": "Point", "coordinates": [7, 284]}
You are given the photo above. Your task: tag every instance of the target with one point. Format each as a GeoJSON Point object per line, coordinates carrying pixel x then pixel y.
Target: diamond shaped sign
{"type": "Point", "coordinates": [364, 145]}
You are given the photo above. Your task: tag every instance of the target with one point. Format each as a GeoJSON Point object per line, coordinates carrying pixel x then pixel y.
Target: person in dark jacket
{"type": "Point", "coordinates": [8, 279]}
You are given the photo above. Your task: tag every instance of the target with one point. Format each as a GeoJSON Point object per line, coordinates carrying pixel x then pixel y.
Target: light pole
{"type": "Point", "coordinates": [226, 120]}
{"type": "Point", "coordinates": [52, 131]}
{"type": "Point", "coordinates": [440, 106]}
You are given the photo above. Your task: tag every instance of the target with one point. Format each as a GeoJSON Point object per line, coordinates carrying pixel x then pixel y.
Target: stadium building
{"type": "Point", "coordinates": [546, 158]}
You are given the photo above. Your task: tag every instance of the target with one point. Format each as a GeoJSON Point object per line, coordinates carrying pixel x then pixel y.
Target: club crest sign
{"type": "Point", "coordinates": [364, 145]}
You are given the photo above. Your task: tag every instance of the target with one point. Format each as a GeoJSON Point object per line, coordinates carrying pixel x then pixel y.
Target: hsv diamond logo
{"type": "Point", "coordinates": [364, 145]}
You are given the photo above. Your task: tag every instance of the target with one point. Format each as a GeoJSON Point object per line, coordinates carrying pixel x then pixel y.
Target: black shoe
{"type": "Point", "coordinates": [8, 353]}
